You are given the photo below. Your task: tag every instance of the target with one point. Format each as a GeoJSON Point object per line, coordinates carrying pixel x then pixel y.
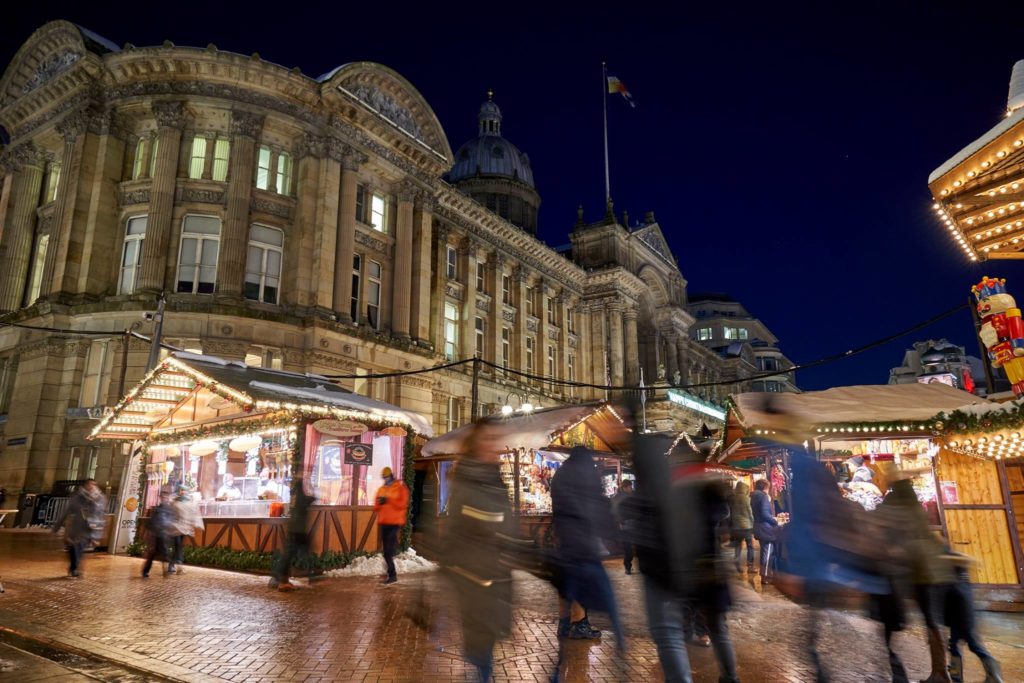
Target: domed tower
{"type": "Point", "coordinates": [491, 170]}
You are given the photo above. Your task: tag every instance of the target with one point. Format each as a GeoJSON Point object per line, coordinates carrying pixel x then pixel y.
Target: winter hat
{"type": "Point", "coordinates": [385, 473]}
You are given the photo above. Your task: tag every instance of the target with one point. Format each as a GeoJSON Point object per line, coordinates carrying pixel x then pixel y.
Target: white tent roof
{"type": "Point", "coordinates": [865, 403]}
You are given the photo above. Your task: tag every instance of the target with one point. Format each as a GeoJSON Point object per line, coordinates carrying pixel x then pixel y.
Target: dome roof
{"type": "Point", "coordinates": [489, 154]}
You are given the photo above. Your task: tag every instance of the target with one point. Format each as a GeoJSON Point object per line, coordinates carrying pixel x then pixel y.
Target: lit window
{"type": "Point", "coordinates": [221, 157]}
{"type": "Point", "coordinates": [197, 160]}
{"type": "Point", "coordinates": [197, 259]}
{"type": "Point", "coordinates": [263, 168]}
{"type": "Point", "coordinates": [93, 392]}
{"type": "Point", "coordinates": [263, 266]}
{"type": "Point", "coordinates": [262, 357]}
{"type": "Point", "coordinates": [284, 173]}
{"type": "Point", "coordinates": [378, 213]}
{"type": "Point", "coordinates": [506, 346]}
{"type": "Point", "coordinates": [570, 367]}
{"type": "Point", "coordinates": [479, 325]}
{"type": "Point", "coordinates": [506, 290]}
{"type": "Point", "coordinates": [552, 311]}
{"type": "Point", "coordinates": [454, 413]}
{"type": "Point", "coordinates": [140, 158]}
{"type": "Point", "coordinates": [481, 277]}
{"type": "Point", "coordinates": [373, 272]}
{"type": "Point", "coordinates": [570, 321]}
{"type": "Point", "coordinates": [529, 355]}
{"type": "Point", "coordinates": [743, 333]}
{"type": "Point", "coordinates": [131, 254]}
{"type": "Point", "coordinates": [529, 300]}
{"type": "Point", "coordinates": [52, 181]}
{"type": "Point", "coordinates": [35, 281]}
{"type": "Point", "coordinates": [704, 334]}
{"type": "Point", "coordinates": [357, 270]}
{"type": "Point", "coordinates": [452, 262]}
{"type": "Point", "coordinates": [154, 148]}
{"type": "Point", "coordinates": [551, 361]}
{"type": "Point", "coordinates": [451, 330]}
{"type": "Point", "coordinates": [731, 333]}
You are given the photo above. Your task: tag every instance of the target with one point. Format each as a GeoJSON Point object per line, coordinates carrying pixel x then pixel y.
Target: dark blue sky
{"type": "Point", "coordinates": [784, 151]}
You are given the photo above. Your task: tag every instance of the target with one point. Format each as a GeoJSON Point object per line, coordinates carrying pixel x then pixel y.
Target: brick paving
{"type": "Point", "coordinates": [210, 625]}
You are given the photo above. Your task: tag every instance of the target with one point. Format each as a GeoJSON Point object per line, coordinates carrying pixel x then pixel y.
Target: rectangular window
{"type": "Point", "coordinates": [704, 334]}
{"type": "Point", "coordinates": [140, 159]}
{"type": "Point", "coordinates": [454, 413]}
{"type": "Point", "coordinates": [570, 368]}
{"type": "Point", "coordinates": [529, 355]}
{"type": "Point", "coordinates": [221, 157]}
{"type": "Point", "coordinates": [52, 181]}
{"type": "Point", "coordinates": [373, 279]}
{"type": "Point", "coordinates": [197, 159]}
{"type": "Point", "coordinates": [357, 271]}
{"type": "Point", "coordinates": [74, 462]}
{"type": "Point", "coordinates": [263, 357]}
{"type": "Point", "coordinates": [451, 330]}
{"type": "Point", "coordinates": [35, 281]}
{"type": "Point", "coordinates": [551, 361]}
{"type": "Point", "coordinates": [263, 265]}
{"type": "Point", "coordinates": [284, 173]}
{"type": "Point", "coordinates": [479, 325]}
{"type": "Point", "coordinates": [154, 147]}
{"type": "Point", "coordinates": [570, 320]}
{"type": "Point", "coordinates": [529, 300]}
{"type": "Point", "coordinates": [361, 203]}
{"type": "Point", "coordinates": [197, 258]}
{"type": "Point", "coordinates": [552, 311]}
{"type": "Point", "coordinates": [506, 290]}
{"type": "Point", "coordinates": [263, 168]}
{"type": "Point", "coordinates": [378, 213]}
{"type": "Point", "coordinates": [452, 262]}
{"type": "Point", "coordinates": [481, 277]}
{"type": "Point", "coordinates": [93, 391]}
{"type": "Point", "coordinates": [131, 254]}
{"type": "Point", "coordinates": [743, 333]}
{"type": "Point", "coordinates": [506, 346]}
{"type": "Point", "coordinates": [731, 333]}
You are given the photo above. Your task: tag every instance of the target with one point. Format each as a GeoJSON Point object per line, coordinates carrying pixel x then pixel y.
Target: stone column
{"type": "Point", "coordinates": [26, 166]}
{"type": "Point", "coordinates": [598, 345]}
{"type": "Point", "coordinates": [615, 332]}
{"type": "Point", "coordinates": [345, 248]}
{"type": "Point", "coordinates": [632, 345]}
{"type": "Point", "coordinates": [562, 352]}
{"type": "Point", "coordinates": [234, 240]}
{"type": "Point", "coordinates": [170, 118]}
{"type": "Point", "coordinates": [543, 339]}
{"type": "Point", "coordinates": [71, 129]}
{"type": "Point", "coordinates": [440, 287]}
{"type": "Point", "coordinates": [401, 289]}
{"type": "Point", "coordinates": [467, 333]}
{"type": "Point", "coordinates": [423, 227]}
{"type": "Point", "coordinates": [681, 360]}
{"type": "Point", "coordinates": [317, 181]}
{"type": "Point", "coordinates": [519, 283]}
{"type": "Point", "coordinates": [671, 358]}
{"type": "Point", "coordinates": [496, 321]}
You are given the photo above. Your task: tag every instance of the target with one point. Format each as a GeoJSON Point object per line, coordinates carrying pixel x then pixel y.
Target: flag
{"type": "Point", "coordinates": [617, 86]}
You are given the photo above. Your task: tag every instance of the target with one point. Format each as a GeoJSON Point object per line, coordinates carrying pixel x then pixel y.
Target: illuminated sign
{"type": "Point", "coordinates": [943, 378]}
{"type": "Point", "coordinates": [694, 403]}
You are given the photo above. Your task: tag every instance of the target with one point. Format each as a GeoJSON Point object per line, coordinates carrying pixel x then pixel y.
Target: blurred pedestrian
{"type": "Point", "coordinates": [480, 521]}
{"type": "Point", "coordinates": [625, 522]}
{"type": "Point", "coordinates": [160, 529]}
{"type": "Point", "coordinates": [765, 526]}
{"type": "Point", "coordinates": [186, 520]}
{"type": "Point", "coordinates": [392, 505]}
{"type": "Point", "coordinates": [963, 627]}
{"type": "Point", "coordinates": [741, 525]}
{"type": "Point", "coordinates": [297, 541]}
{"type": "Point", "coordinates": [83, 524]}
{"type": "Point", "coordinates": [581, 517]}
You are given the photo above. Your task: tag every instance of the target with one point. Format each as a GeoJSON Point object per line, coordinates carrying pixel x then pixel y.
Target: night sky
{"type": "Point", "coordinates": [784, 151]}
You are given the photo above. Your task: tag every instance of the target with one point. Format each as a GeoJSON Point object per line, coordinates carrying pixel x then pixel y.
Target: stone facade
{"type": "Point", "coordinates": [293, 222]}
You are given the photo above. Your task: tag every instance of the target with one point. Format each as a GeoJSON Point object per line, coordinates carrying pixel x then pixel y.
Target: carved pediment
{"type": "Point", "coordinates": [651, 236]}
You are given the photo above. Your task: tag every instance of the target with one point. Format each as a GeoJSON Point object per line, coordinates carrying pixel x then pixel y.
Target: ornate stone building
{"type": "Point", "coordinates": [316, 225]}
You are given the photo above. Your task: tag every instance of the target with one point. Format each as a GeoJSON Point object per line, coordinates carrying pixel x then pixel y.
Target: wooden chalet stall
{"type": "Point", "coordinates": [877, 433]}
{"type": "Point", "coordinates": [236, 436]}
{"type": "Point", "coordinates": [536, 445]}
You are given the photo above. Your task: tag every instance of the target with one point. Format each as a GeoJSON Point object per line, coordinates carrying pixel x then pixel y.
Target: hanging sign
{"type": "Point", "coordinates": [340, 427]}
{"type": "Point", "coordinates": [358, 454]}
{"type": "Point", "coordinates": [393, 431]}
{"type": "Point", "coordinates": [950, 493]}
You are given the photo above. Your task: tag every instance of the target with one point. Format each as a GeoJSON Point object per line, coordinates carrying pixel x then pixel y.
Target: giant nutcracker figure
{"type": "Point", "coordinates": [1002, 329]}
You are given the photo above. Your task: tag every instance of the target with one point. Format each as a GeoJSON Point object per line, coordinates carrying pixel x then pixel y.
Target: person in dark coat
{"type": "Point", "coordinates": [741, 525]}
{"type": "Point", "coordinates": [159, 532]}
{"type": "Point", "coordinates": [581, 517]}
{"type": "Point", "coordinates": [297, 542]}
{"type": "Point", "coordinates": [625, 522]}
{"type": "Point", "coordinates": [82, 523]}
{"type": "Point", "coordinates": [480, 520]}
{"type": "Point", "coordinates": [765, 524]}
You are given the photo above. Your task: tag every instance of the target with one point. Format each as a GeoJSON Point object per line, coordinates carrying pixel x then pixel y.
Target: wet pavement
{"type": "Point", "coordinates": [210, 625]}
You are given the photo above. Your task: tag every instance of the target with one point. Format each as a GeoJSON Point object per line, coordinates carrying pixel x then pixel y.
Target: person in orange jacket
{"type": "Point", "coordinates": [392, 504]}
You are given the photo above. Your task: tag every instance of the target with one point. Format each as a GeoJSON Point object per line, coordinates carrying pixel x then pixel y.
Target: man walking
{"type": "Point", "coordinates": [83, 524]}
{"type": "Point", "coordinates": [620, 507]}
{"type": "Point", "coordinates": [392, 504]}
{"type": "Point", "coordinates": [741, 525]}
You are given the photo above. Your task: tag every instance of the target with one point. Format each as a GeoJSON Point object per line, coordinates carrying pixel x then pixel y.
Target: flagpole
{"type": "Point", "coordinates": [604, 91]}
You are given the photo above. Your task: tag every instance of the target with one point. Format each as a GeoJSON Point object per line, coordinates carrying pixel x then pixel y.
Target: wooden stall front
{"type": "Point", "coordinates": [234, 437]}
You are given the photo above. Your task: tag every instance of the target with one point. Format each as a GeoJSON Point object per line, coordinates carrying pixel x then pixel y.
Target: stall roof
{"type": "Point", "coordinates": [182, 374]}
{"type": "Point", "coordinates": [537, 430]}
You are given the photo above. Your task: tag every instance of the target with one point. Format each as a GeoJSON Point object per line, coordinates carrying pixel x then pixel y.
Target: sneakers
{"type": "Point", "coordinates": [703, 641]}
{"type": "Point", "coordinates": [582, 630]}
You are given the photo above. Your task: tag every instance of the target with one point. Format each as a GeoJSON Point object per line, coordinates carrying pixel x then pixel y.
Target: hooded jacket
{"type": "Point", "coordinates": [393, 511]}
{"type": "Point", "coordinates": [741, 517]}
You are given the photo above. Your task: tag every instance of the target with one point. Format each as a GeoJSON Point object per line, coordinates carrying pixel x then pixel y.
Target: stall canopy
{"type": "Point", "coordinates": [213, 388]}
{"type": "Point", "coordinates": [596, 426]}
{"type": "Point", "coordinates": [857, 410]}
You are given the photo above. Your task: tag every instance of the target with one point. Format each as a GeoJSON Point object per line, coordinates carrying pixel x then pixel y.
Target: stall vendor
{"type": "Point", "coordinates": [228, 490]}
{"type": "Point", "coordinates": [861, 472]}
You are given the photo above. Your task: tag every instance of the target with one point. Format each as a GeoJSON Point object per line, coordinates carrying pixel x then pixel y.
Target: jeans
{"type": "Point", "coordinates": [665, 621]}
{"type": "Point", "coordinates": [738, 537]}
{"type": "Point", "coordinates": [718, 630]}
{"type": "Point", "coordinates": [75, 553]}
{"type": "Point", "coordinates": [295, 544]}
{"type": "Point", "coordinates": [176, 553]}
{"type": "Point", "coordinates": [389, 541]}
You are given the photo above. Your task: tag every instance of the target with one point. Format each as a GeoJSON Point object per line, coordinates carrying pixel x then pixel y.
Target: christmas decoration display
{"type": "Point", "coordinates": [1002, 329]}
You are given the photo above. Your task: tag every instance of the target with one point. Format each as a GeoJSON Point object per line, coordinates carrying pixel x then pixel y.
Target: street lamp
{"type": "Point", "coordinates": [526, 406]}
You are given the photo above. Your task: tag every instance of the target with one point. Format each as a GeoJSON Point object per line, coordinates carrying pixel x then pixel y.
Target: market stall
{"type": "Point", "coordinates": [535, 445]}
{"type": "Point", "coordinates": [236, 437]}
